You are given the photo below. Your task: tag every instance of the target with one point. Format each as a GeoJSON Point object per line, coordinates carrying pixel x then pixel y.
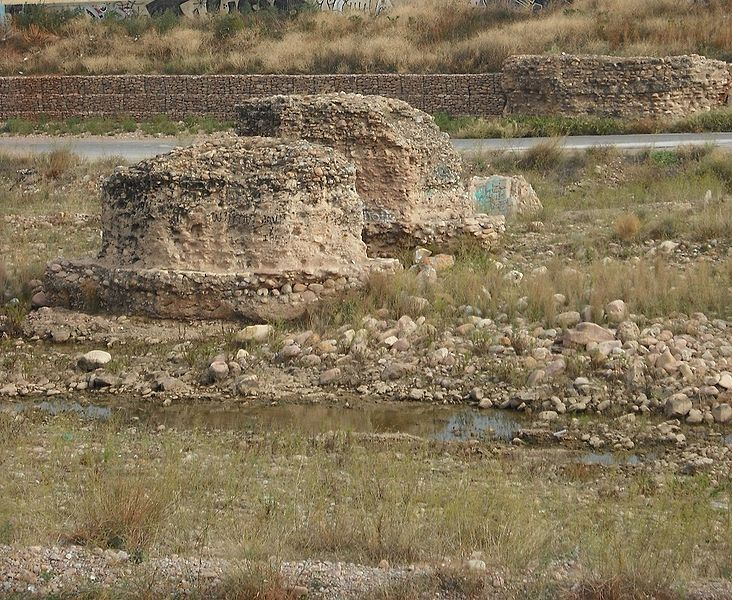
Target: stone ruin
{"type": "Point", "coordinates": [253, 228]}
{"type": "Point", "coordinates": [407, 171]}
{"type": "Point", "coordinates": [260, 227]}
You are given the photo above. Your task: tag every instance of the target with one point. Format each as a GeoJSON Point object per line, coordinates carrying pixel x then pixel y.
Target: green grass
{"type": "Point", "coordinates": [338, 496]}
{"type": "Point", "coordinates": [158, 124]}
{"type": "Point", "coordinates": [559, 126]}
{"type": "Point", "coordinates": [458, 127]}
{"type": "Point", "coordinates": [611, 180]}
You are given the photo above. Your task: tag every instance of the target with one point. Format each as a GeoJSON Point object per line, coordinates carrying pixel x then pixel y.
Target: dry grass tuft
{"type": "Point", "coordinates": [425, 36]}
{"type": "Point", "coordinates": [119, 510]}
{"type": "Point", "coordinates": [627, 227]}
{"type": "Point", "coordinates": [59, 162]}
{"type": "Point", "coordinates": [253, 582]}
{"type": "Point", "coordinates": [443, 582]}
{"type": "Point", "coordinates": [620, 588]}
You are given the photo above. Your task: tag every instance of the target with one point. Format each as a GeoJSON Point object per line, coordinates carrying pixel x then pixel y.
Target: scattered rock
{"type": "Point", "coordinates": [587, 333]}
{"type": "Point", "coordinates": [218, 371]}
{"type": "Point", "coordinates": [722, 413]}
{"type": "Point", "coordinates": [254, 333]}
{"type": "Point", "coordinates": [330, 376]}
{"type": "Point", "coordinates": [94, 359]}
{"type": "Point", "coordinates": [677, 406]}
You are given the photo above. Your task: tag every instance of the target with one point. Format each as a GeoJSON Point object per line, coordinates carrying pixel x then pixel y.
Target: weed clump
{"type": "Point", "coordinates": [121, 511]}
{"type": "Point", "coordinates": [543, 157]}
{"type": "Point", "coordinates": [59, 162]}
{"type": "Point", "coordinates": [627, 227]}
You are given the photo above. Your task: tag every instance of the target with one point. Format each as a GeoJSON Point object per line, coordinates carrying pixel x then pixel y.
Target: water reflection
{"type": "Point", "coordinates": [432, 422]}
{"type": "Point", "coordinates": [608, 459]}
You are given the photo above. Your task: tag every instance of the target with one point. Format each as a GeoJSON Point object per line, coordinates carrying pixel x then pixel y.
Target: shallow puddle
{"type": "Point", "coordinates": [609, 459]}
{"type": "Point", "coordinates": [443, 423]}
{"type": "Point", "coordinates": [431, 422]}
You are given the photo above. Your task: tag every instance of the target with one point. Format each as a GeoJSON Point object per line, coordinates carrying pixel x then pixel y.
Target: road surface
{"type": "Point", "coordinates": [133, 149]}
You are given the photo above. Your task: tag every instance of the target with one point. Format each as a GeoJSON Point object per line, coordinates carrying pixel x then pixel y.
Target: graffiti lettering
{"type": "Point", "coordinates": [493, 196]}
{"type": "Point", "coordinates": [377, 215]}
{"type": "Point", "coordinates": [231, 219]}
{"type": "Point", "coordinates": [374, 7]}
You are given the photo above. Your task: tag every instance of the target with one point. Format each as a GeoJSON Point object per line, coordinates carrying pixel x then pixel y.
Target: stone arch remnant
{"type": "Point", "coordinates": [252, 228]}
{"type": "Point", "coordinates": [407, 171]}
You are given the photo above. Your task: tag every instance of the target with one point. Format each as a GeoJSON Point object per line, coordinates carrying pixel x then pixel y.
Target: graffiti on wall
{"type": "Point", "coordinates": [492, 195]}
{"type": "Point", "coordinates": [118, 9]}
{"type": "Point", "coordinates": [371, 6]}
{"type": "Point", "coordinates": [128, 8]}
{"type": "Point", "coordinates": [188, 8]}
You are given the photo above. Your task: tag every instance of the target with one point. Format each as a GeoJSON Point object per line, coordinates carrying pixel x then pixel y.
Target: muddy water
{"type": "Point", "coordinates": [444, 423]}
{"type": "Point", "coordinates": [432, 422]}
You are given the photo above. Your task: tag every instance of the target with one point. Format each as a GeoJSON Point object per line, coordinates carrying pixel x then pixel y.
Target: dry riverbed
{"type": "Point", "coordinates": [551, 420]}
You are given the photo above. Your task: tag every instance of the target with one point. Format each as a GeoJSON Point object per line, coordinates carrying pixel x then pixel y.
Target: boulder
{"type": "Point", "coordinates": [677, 406]}
{"type": "Point", "coordinates": [95, 359]}
{"type": "Point", "coordinates": [616, 312]}
{"type": "Point", "coordinates": [725, 380]}
{"type": "Point", "coordinates": [329, 376]}
{"type": "Point", "coordinates": [722, 413]}
{"type": "Point", "coordinates": [504, 195]}
{"type": "Point", "coordinates": [254, 333]}
{"type": "Point", "coordinates": [568, 319]}
{"type": "Point", "coordinates": [39, 300]}
{"type": "Point", "coordinates": [218, 371]}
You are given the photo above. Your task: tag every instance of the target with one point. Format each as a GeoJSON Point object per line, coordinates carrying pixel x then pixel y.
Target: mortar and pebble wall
{"type": "Point", "coordinates": [535, 85]}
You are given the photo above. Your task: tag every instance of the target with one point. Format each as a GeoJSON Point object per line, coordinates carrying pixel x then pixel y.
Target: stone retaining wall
{"type": "Point", "coordinates": [142, 96]}
{"type": "Point", "coordinates": [613, 86]}
{"type": "Point", "coordinates": [535, 85]}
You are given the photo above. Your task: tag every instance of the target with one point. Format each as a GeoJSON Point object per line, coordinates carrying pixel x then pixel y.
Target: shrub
{"type": "Point", "coordinates": [664, 158]}
{"type": "Point", "coordinates": [226, 25]}
{"type": "Point", "coordinates": [59, 162]}
{"type": "Point", "coordinates": [43, 19]}
{"type": "Point", "coordinates": [119, 510]}
{"type": "Point", "coordinates": [543, 156]}
{"type": "Point", "coordinates": [714, 120]}
{"type": "Point", "coordinates": [627, 226]}
{"type": "Point", "coordinates": [718, 163]}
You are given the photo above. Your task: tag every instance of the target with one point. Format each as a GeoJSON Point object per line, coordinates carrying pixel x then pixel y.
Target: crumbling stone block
{"type": "Point", "coordinates": [407, 171]}
{"type": "Point", "coordinates": [504, 195]}
{"type": "Point", "coordinates": [255, 228]}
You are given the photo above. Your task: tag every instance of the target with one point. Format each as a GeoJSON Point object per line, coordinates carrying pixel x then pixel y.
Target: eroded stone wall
{"type": "Point", "coordinates": [614, 86]}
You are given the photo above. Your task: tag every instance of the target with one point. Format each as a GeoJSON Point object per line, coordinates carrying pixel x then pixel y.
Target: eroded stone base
{"type": "Point", "coordinates": [90, 285]}
{"type": "Point", "coordinates": [382, 237]}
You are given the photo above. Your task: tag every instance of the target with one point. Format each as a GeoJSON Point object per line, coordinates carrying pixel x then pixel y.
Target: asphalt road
{"type": "Point", "coordinates": [132, 149]}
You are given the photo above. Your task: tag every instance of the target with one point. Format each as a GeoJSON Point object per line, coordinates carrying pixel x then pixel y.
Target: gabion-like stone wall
{"type": "Point", "coordinates": [143, 96]}
{"type": "Point", "coordinates": [535, 85]}
{"type": "Point", "coordinates": [614, 86]}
